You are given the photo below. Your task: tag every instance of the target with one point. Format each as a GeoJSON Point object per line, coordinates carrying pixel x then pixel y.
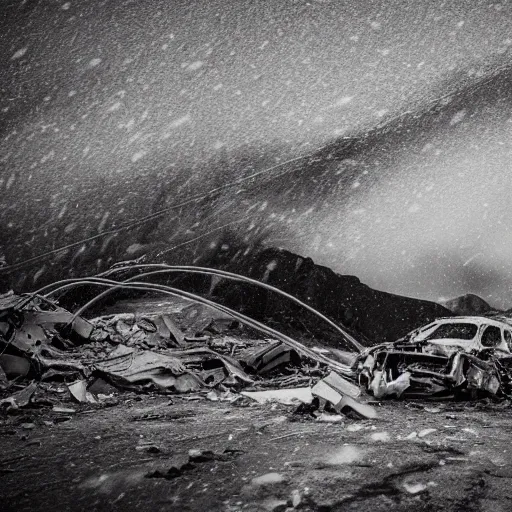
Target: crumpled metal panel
{"type": "Point", "coordinates": [130, 366]}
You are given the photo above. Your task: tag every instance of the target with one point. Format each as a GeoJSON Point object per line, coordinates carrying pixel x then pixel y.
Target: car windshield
{"type": "Point", "coordinates": [461, 331]}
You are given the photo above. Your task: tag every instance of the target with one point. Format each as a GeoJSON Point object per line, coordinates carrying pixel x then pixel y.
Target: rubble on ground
{"type": "Point", "coordinates": [195, 352]}
{"type": "Point", "coordinates": [49, 356]}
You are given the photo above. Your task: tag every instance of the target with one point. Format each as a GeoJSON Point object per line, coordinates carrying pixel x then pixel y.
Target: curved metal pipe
{"type": "Point", "coordinates": [345, 370]}
{"type": "Point", "coordinates": [238, 277]}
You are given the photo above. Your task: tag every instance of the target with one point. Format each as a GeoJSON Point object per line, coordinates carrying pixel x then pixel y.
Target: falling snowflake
{"type": "Point", "coordinates": [194, 66]}
{"type": "Point", "coordinates": [19, 53]}
{"type": "Point", "coordinates": [94, 62]}
{"type": "Point", "coordinates": [344, 101]}
{"type": "Point", "coordinates": [48, 156]}
{"type": "Point", "coordinates": [458, 117]}
{"type": "Point", "coordinates": [138, 156]}
{"type": "Point", "coordinates": [114, 107]}
{"type": "Point", "coordinates": [180, 121]}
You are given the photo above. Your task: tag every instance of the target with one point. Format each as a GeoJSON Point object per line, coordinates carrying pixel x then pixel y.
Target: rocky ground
{"type": "Point", "coordinates": [185, 452]}
{"type": "Point", "coordinates": [417, 456]}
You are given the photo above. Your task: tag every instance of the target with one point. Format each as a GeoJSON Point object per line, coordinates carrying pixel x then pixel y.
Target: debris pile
{"type": "Point", "coordinates": [195, 351]}
{"type": "Point", "coordinates": [207, 351]}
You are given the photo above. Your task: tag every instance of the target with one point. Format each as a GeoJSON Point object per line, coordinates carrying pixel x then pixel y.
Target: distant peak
{"type": "Point", "coordinates": [467, 305]}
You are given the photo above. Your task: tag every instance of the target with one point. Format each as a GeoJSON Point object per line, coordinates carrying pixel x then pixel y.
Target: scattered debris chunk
{"type": "Point", "coordinates": [78, 390]}
{"type": "Point", "coordinates": [267, 358]}
{"type": "Point", "coordinates": [382, 437]}
{"type": "Point", "coordinates": [268, 479]}
{"type": "Point", "coordinates": [126, 366]}
{"type": "Point", "coordinates": [21, 398]}
{"type": "Point", "coordinates": [175, 468]}
{"type": "Point", "coordinates": [342, 385]}
{"type": "Point", "coordinates": [63, 410]}
{"type": "Point", "coordinates": [347, 454]}
{"type": "Point", "coordinates": [356, 427]}
{"type": "Point", "coordinates": [340, 401]}
{"type": "Point", "coordinates": [329, 418]}
{"type": "Point", "coordinates": [100, 386]}
{"type": "Point", "coordinates": [415, 488]}
{"type": "Point", "coordinates": [150, 448]}
{"type": "Point", "coordinates": [296, 498]}
{"type": "Point", "coordinates": [181, 462]}
{"type": "Point", "coordinates": [272, 505]}
{"type": "Point", "coordinates": [426, 432]}
{"type": "Point", "coordinates": [218, 396]}
{"type": "Point", "coordinates": [208, 455]}
{"type": "Point", "coordinates": [283, 396]}
{"type": "Point", "coordinates": [167, 332]}
{"type": "Point", "coordinates": [147, 325]}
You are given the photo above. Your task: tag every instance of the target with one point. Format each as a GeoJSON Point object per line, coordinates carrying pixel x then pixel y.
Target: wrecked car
{"type": "Point", "coordinates": [467, 332]}
{"type": "Point", "coordinates": [447, 357]}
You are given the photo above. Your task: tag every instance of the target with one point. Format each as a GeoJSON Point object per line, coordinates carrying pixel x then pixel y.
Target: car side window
{"type": "Point", "coordinates": [491, 336]}
{"type": "Point", "coordinates": [508, 338]}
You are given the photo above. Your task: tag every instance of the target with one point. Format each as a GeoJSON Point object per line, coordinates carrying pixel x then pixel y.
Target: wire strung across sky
{"type": "Point", "coordinates": [198, 197]}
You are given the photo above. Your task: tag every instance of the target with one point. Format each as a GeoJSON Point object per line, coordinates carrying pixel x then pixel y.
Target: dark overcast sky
{"type": "Point", "coordinates": [111, 88]}
{"type": "Point", "coordinates": [130, 78]}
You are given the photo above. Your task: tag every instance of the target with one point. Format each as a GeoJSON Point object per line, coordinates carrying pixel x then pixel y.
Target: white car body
{"type": "Point", "coordinates": [467, 332]}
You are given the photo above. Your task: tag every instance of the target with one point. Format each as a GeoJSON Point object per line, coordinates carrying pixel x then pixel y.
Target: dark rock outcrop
{"type": "Point", "coordinates": [371, 315]}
